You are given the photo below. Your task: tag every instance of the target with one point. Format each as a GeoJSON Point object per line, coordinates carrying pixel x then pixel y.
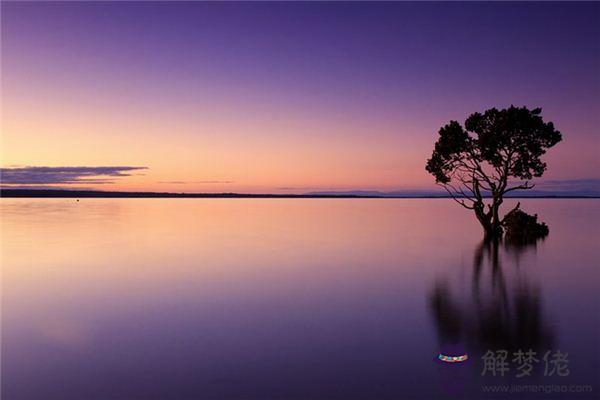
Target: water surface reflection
{"type": "Point", "coordinates": [500, 312]}
{"type": "Point", "coordinates": [288, 299]}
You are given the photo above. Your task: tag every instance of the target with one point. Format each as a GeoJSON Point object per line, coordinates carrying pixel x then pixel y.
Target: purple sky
{"type": "Point", "coordinates": [260, 96]}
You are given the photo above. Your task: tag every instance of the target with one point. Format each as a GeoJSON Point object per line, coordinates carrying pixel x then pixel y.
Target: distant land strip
{"type": "Point", "coordinates": [39, 193]}
{"type": "Point", "coordinates": [98, 193]}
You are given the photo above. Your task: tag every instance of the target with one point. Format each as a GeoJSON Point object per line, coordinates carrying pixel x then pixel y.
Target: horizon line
{"type": "Point", "coordinates": [66, 193]}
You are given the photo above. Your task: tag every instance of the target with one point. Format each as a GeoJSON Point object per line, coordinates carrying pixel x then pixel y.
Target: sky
{"type": "Point", "coordinates": [282, 97]}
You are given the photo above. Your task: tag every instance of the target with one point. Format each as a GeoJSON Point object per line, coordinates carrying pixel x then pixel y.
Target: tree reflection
{"type": "Point", "coordinates": [497, 314]}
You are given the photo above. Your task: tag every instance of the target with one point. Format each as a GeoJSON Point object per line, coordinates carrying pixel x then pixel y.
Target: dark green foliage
{"type": "Point", "coordinates": [452, 145]}
{"type": "Point", "coordinates": [516, 133]}
{"type": "Point", "coordinates": [513, 138]}
{"type": "Point", "coordinates": [484, 158]}
{"type": "Point", "coordinates": [522, 228]}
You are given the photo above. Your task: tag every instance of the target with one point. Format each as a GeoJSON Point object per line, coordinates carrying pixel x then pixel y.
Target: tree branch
{"type": "Point", "coordinates": [506, 215]}
{"type": "Point", "coordinates": [459, 201]}
{"type": "Point", "coordinates": [524, 186]}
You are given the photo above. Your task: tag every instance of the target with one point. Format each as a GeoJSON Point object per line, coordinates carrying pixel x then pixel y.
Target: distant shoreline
{"type": "Point", "coordinates": [44, 193]}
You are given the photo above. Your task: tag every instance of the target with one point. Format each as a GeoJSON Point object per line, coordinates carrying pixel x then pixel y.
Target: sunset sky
{"type": "Point", "coordinates": [282, 97]}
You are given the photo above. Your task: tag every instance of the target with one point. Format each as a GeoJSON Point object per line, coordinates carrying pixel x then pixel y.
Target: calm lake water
{"type": "Point", "coordinates": [289, 299]}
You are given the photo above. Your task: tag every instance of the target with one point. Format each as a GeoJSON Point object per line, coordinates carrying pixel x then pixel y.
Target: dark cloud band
{"type": "Point", "coordinates": [63, 175]}
{"type": "Point", "coordinates": [589, 183]}
{"type": "Point", "coordinates": [190, 182]}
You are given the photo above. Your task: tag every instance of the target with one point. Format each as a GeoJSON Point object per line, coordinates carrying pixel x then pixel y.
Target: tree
{"type": "Point", "coordinates": [496, 152]}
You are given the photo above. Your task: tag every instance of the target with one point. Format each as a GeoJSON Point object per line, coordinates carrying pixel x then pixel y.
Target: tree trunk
{"type": "Point", "coordinates": [496, 228]}
{"type": "Point", "coordinates": [492, 231]}
{"type": "Point", "coordinates": [490, 222]}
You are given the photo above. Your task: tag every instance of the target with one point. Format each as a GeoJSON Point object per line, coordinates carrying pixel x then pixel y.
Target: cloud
{"type": "Point", "coordinates": [43, 187]}
{"type": "Point", "coordinates": [63, 175]}
{"type": "Point", "coordinates": [570, 184]}
{"type": "Point", "coordinates": [189, 182]}
{"type": "Point", "coordinates": [301, 188]}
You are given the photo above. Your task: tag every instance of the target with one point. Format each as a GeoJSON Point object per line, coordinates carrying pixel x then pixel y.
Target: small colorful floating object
{"type": "Point", "coordinates": [453, 359]}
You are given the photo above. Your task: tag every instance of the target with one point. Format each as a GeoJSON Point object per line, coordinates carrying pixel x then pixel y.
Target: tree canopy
{"type": "Point", "coordinates": [496, 152]}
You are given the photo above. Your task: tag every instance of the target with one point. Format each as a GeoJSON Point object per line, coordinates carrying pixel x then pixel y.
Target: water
{"type": "Point", "coordinates": [287, 299]}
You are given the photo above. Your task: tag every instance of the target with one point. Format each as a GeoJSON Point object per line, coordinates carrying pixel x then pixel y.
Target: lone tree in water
{"type": "Point", "coordinates": [496, 152]}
